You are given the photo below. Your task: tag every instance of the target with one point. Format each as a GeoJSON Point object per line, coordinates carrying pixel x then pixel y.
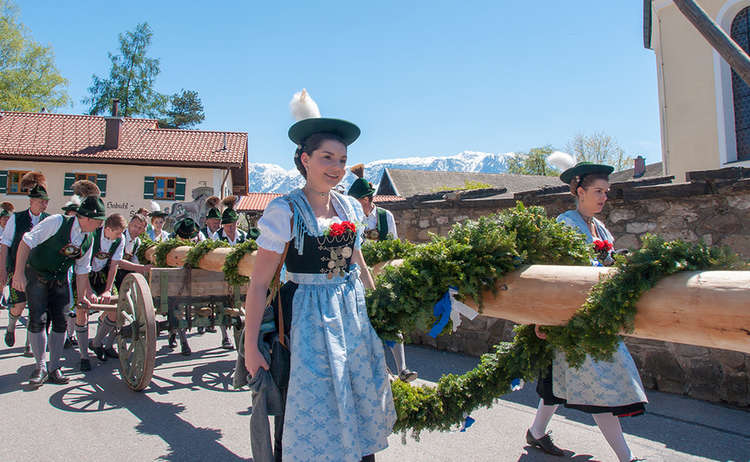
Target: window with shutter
{"type": "Point", "coordinates": [148, 187]}
{"type": "Point", "coordinates": [14, 182]}
{"type": "Point", "coordinates": [101, 182]}
{"type": "Point", "coordinates": [180, 189]}
{"type": "Point", "coordinates": [3, 181]}
{"type": "Point", "coordinates": [70, 178]}
{"type": "Point", "coordinates": [740, 90]}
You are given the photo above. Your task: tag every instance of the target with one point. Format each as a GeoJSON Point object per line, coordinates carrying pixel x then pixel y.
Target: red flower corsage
{"type": "Point", "coordinates": [603, 246]}
{"type": "Point", "coordinates": [338, 229]}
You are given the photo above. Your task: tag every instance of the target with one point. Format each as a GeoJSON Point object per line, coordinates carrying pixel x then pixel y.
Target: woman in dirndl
{"type": "Point", "coordinates": [607, 390]}
{"type": "Point", "coordinates": [339, 404]}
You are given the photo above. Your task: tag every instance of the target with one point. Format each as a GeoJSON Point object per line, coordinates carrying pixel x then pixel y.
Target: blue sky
{"type": "Point", "coordinates": [419, 78]}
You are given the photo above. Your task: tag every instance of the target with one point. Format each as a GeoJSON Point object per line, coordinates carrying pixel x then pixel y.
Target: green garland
{"type": "Point", "coordinates": [193, 257]}
{"type": "Point", "coordinates": [473, 256]}
{"type": "Point", "coordinates": [146, 243]}
{"type": "Point", "coordinates": [163, 248]}
{"type": "Point", "coordinates": [389, 249]}
{"type": "Point", "coordinates": [231, 274]}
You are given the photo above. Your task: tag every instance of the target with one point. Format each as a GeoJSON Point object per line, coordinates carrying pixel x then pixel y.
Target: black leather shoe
{"type": "Point", "coordinates": [101, 355]}
{"type": "Point", "coordinates": [27, 351]}
{"type": "Point", "coordinates": [544, 443]}
{"type": "Point", "coordinates": [38, 377]}
{"type": "Point", "coordinates": [226, 344]}
{"type": "Point", "coordinates": [172, 342]}
{"type": "Point", "coordinates": [73, 341]}
{"type": "Point", "coordinates": [10, 338]}
{"type": "Point", "coordinates": [57, 378]}
{"type": "Point", "coordinates": [111, 353]}
{"type": "Point", "coordinates": [201, 330]}
{"type": "Point", "coordinates": [85, 365]}
{"type": "Point", "coordinates": [185, 349]}
{"type": "Point", "coordinates": [407, 375]}
{"type": "Point", "coordinates": [67, 343]}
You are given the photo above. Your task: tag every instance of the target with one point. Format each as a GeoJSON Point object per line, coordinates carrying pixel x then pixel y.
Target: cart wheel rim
{"type": "Point", "coordinates": [137, 327]}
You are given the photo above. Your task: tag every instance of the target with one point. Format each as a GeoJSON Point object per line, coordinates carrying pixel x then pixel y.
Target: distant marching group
{"type": "Point", "coordinates": [56, 264]}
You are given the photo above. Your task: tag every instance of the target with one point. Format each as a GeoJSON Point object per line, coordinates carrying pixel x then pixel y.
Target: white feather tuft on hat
{"type": "Point", "coordinates": [303, 106]}
{"type": "Point", "coordinates": [561, 160]}
{"type": "Point", "coordinates": [155, 207]}
{"type": "Point", "coordinates": [74, 200]}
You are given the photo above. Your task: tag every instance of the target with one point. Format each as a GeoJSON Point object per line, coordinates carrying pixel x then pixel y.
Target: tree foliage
{"type": "Point", "coordinates": [29, 79]}
{"type": "Point", "coordinates": [131, 79]}
{"type": "Point", "coordinates": [599, 148]}
{"type": "Point", "coordinates": [533, 162]}
{"type": "Point", "coordinates": [185, 111]}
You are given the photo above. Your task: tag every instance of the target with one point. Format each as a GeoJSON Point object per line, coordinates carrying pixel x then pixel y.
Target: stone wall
{"type": "Point", "coordinates": [713, 206]}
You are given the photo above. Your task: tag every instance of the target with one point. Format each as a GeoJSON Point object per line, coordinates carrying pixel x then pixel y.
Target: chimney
{"type": "Point", "coordinates": [113, 127]}
{"type": "Point", "coordinates": [640, 167]}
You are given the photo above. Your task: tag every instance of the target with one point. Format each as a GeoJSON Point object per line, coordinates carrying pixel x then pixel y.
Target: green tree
{"type": "Point", "coordinates": [29, 79]}
{"type": "Point", "coordinates": [185, 111]}
{"type": "Point", "coordinates": [131, 79]}
{"type": "Point", "coordinates": [533, 162]}
{"type": "Point", "coordinates": [599, 148]}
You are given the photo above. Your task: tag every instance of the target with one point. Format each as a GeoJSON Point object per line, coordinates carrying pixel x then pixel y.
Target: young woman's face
{"type": "Point", "coordinates": [4, 220]}
{"type": "Point", "coordinates": [157, 222]}
{"type": "Point", "coordinates": [593, 198]}
{"type": "Point", "coordinates": [326, 166]}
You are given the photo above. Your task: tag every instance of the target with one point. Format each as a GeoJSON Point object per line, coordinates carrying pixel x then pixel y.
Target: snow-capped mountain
{"type": "Point", "coordinates": [273, 178]}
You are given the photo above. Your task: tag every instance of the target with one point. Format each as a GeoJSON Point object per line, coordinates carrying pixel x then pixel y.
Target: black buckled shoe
{"type": "Point", "coordinates": [226, 344]}
{"type": "Point", "coordinates": [85, 365]}
{"type": "Point", "coordinates": [544, 443]}
{"type": "Point", "coordinates": [111, 353]}
{"type": "Point", "coordinates": [38, 377]}
{"type": "Point", "coordinates": [67, 344]}
{"type": "Point", "coordinates": [101, 355]}
{"type": "Point", "coordinates": [10, 338]}
{"type": "Point", "coordinates": [407, 375]}
{"type": "Point", "coordinates": [57, 378]}
{"type": "Point", "coordinates": [172, 341]}
{"type": "Point", "coordinates": [185, 349]}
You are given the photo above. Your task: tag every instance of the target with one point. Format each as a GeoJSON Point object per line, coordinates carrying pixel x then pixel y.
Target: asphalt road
{"type": "Point", "coordinates": [191, 413]}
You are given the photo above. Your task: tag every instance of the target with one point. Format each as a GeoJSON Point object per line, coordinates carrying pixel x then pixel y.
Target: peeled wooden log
{"type": "Point", "coordinates": [211, 261]}
{"type": "Point", "coordinates": [705, 308]}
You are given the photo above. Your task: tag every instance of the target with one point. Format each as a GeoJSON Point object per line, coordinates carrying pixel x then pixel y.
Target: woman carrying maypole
{"type": "Point", "coordinates": [340, 406]}
{"type": "Point", "coordinates": [605, 389]}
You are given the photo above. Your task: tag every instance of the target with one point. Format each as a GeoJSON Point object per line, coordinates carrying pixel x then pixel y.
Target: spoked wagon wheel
{"type": "Point", "coordinates": [137, 327]}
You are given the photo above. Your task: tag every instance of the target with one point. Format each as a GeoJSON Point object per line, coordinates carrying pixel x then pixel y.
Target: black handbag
{"type": "Point", "coordinates": [279, 301]}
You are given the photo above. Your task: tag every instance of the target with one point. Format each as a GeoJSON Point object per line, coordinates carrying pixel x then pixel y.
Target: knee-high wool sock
{"type": "Point", "coordinates": [56, 343]}
{"type": "Point", "coordinates": [609, 425]}
{"type": "Point", "coordinates": [105, 327]}
{"type": "Point", "coordinates": [399, 355]}
{"type": "Point", "coordinates": [109, 340]}
{"type": "Point", "coordinates": [543, 415]}
{"type": "Point", "coordinates": [38, 342]}
{"type": "Point", "coordinates": [82, 334]}
{"type": "Point", "coordinates": [224, 335]}
{"type": "Point", "coordinates": [71, 326]}
{"type": "Point", "coordinates": [12, 321]}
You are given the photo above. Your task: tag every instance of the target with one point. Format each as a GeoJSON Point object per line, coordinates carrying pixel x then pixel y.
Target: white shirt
{"type": "Point", "coordinates": [237, 235]}
{"type": "Point", "coordinates": [371, 221]}
{"type": "Point", "coordinates": [129, 244]}
{"type": "Point", "coordinates": [48, 227]}
{"type": "Point", "coordinates": [10, 228]}
{"type": "Point", "coordinates": [161, 237]}
{"type": "Point", "coordinates": [97, 264]}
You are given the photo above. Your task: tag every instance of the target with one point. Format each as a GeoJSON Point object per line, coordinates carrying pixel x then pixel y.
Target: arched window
{"type": "Point", "coordinates": [740, 90]}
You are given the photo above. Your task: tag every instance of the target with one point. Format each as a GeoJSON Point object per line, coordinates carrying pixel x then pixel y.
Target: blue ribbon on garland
{"type": "Point", "coordinates": [468, 422]}
{"type": "Point", "coordinates": [390, 343]}
{"type": "Point", "coordinates": [442, 311]}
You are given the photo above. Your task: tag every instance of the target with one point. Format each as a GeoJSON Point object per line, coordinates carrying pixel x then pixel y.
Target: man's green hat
{"type": "Point", "coordinates": [70, 207]}
{"type": "Point", "coordinates": [92, 207]}
{"type": "Point", "coordinates": [253, 233]}
{"type": "Point", "coordinates": [300, 131]}
{"type": "Point", "coordinates": [4, 213]}
{"type": "Point", "coordinates": [361, 188]}
{"type": "Point", "coordinates": [38, 192]}
{"type": "Point", "coordinates": [213, 212]}
{"type": "Point", "coordinates": [186, 228]}
{"type": "Point", "coordinates": [229, 216]}
{"type": "Point", "coordinates": [582, 169]}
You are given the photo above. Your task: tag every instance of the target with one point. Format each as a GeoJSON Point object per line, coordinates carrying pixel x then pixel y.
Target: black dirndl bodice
{"type": "Point", "coordinates": [330, 255]}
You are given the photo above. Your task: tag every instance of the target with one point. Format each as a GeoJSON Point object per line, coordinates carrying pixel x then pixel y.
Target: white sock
{"type": "Point", "coordinates": [543, 415]}
{"type": "Point", "coordinates": [12, 320]}
{"type": "Point", "coordinates": [399, 355]}
{"type": "Point", "coordinates": [609, 425]}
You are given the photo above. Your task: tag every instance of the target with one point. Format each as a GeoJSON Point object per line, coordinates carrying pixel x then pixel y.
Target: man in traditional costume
{"type": "Point", "coordinates": [229, 232]}
{"type": "Point", "coordinates": [70, 209]}
{"type": "Point", "coordinates": [158, 216]}
{"type": "Point", "coordinates": [42, 262]}
{"type": "Point", "coordinates": [213, 217]}
{"type": "Point", "coordinates": [6, 210]}
{"type": "Point", "coordinates": [379, 226]}
{"type": "Point", "coordinates": [19, 224]}
{"type": "Point", "coordinates": [130, 262]}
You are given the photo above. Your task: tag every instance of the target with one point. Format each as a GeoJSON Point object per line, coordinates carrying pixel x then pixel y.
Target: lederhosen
{"type": "Point", "coordinates": [98, 279]}
{"type": "Point", "coordinates": [380, 233]}
{"type": "Point", "coordinates": [241, 236]}
{"type": "Point", "coordinates": [121, 273]}
{"type": "Point", "coordinates": [47, 277]}
{"type": "Point", "coordinates": [23, 225]}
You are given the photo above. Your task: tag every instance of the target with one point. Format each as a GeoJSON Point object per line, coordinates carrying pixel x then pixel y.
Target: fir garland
{"type": "Point", "coordinates": [164, 247]}
{"type": "Point", "coordinates": [193, 257]}
{"type": "Point", "coordinates": [473, 256]}
{"type": "Point", "coordinates": [389, 249]}
{"type": "Point", "coordinates": [231, 273]}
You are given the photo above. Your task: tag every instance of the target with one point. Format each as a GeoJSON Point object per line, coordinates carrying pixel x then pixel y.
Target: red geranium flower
{"type": "Point", "coordinates": [348, 225]}
{"type": "Point", "coordinates": [602, 246]}
{"type": "Point", "coordinates": [336, 229]}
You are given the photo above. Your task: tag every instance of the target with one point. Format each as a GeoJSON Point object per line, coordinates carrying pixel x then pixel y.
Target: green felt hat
{"type": "Point", "coordinates": [253, 233]}
{"type": "Point", "coordinates": [38, 192]}
{"type": "Point", "coordinates": [582, 169]}
{"type": "Point", "coordinates": [92, 207]}
{"type": "Point", "coordinates": [213, 212]}
{"type": "Point", "coordinates": [347, 131]}
{"type": "Point", "coordinates": [186, 228]}
{"type": "Point", "coordinates": [229, 216]}
{"type": "Point", "coordinates": [70, 207]}
{"type": "Point", "coordinates": [361, 188]}
{"type": "Point", "coordinates": [158, 214]}
{"type": "Point", "coordinates": [4, 213]}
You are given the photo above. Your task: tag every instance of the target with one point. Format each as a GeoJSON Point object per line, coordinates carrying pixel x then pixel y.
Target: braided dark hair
{"type": "Point", "coordinates": [310, 144]}
{"type": "Point", "coordinates": [585, 181]}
